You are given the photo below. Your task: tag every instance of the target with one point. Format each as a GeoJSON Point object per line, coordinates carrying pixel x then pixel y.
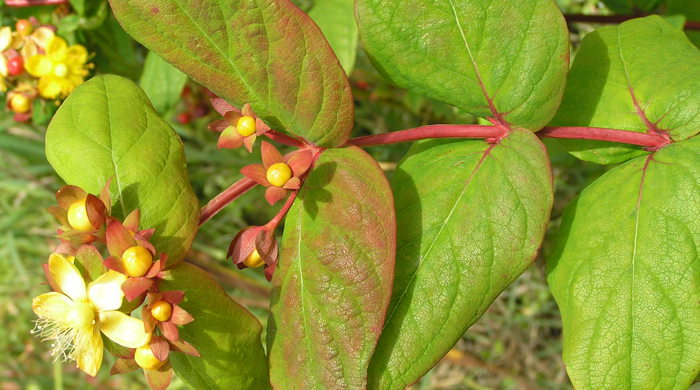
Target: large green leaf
{"type": "Point", "coordinates": [502, 59]}
{"type": "Point", "coordinates": [226, 335]}
{"type": "Point", "coordinates": [162, 83]}
{"type": "Point", "coordinates": [470, 219]}
{"type": "Point", "coordinates": [640, 75]}
{"type": "Point", "coordinates": [336, 18]}
{"type": "Point", "coordinates": [333, 284]}
{"type": "Point", "coordinates": [632, 6]}
{"type": "Point", "coordinates": [107, 130]}
{"type": "Point", "coordinates": [626, 275]}
{"type": "Point", "coordinates": [264, 52]}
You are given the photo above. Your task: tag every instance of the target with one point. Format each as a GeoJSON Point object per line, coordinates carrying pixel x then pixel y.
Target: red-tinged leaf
{"type": "Point", "coordinates": [249, 142]}
{"type": "Point", "coordinates": [122, 366]}
{"type": "Point", "coordinates": [60, 214]}
{"type": "Point", "coordinates": [118, 239]}
{"type": "Point", "coordinates": [169, 330]}
{"type": "Point", "coordinates": [292, 184]}
{"type": "Point", "coordinates": [106, 197]}
{"type": "Point", "coordinates": [144, 235]}
{"type": "Point", "coordinates": [219, 125]}
{"type": "Point", "coordinates": [159, 347]}
{"type": "Point", "coordinates": [270, 272]}
{"type": "Point", "coordinates": [230, 139]}
{"type": "Point", "coordinates": [117, 350]}
{"type": "Point", "coordinates": [154, 270]}
{"type": "Point", "coordinates": [261, 127]}
{"type": "Point", "coordinates": [90, 259]}
{"type": "Point", "coordinates": [132, 221]}
{"type": "Point", "coordinates": [67, 195]}
{"type": "Point", "coordinates": [159, 379]}
{"type": "Point", "coordinates": [333, 283]}
{"type": "Point", "coordinates": [146, 245]}
{"type": "Point", "coordinates": [130, 306]}
{"type": "Point", "coordinates": [174, 297]}
{"type": "Point", "coordinates": [257, 173]}
{"type": "Point", "coordinates": [247, 110]}
{"type": "Point", "coordinates": [114, 264]}
{"type": "Point", "coordinates": [184, 347]}
{"type": "Point", "coordinates": [149, 323]}
{"type": "Point", "coordinates": [270, 155]}
{"type": "Point", "coordinates": [232, 117]}
{"type": "Point", "coordinates": [221, 106]}
{"type": "Point", "coordinates": [135, 287]}
{"type": "Point", "coordinates": [300, 162]}
{"type": "Point", "coordinates": [274, 194]}
{"type": "Point", "coordinates": [266, 244]}
{"type": "Point", "coordinates": [96, 210]}
{"type": "Point", "coordinates": [180, 316]}
{"type": "Point", "coordinates": [267, 53]}
{"type": "Point", "coordinates": [226, 335]}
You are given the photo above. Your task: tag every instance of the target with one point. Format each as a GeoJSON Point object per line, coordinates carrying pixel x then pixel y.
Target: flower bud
{"type": "Point", "coordinates": [253, 260]}
{"type": "Point", "coordinates": [19, 103]}
{"type": "Point", "coordinates": [162, 311]}
{"type": "Point", "coordinates": [23, 27]}
{"type": "Point", "coordinates": [137, 260]}
{"type": "Point", "coordinates": [279, 174]}
{"type": "Point", "coordinates": [246, 126]}
{"type": "Point", "coordinates": [146, 359]}
{"type": "Point", "coordinates": [77, 214]}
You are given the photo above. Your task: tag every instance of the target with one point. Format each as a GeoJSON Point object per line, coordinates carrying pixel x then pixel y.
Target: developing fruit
{"type": "Point", "coordinates": [279, 174]}
{"type": "Point", "coordinates": [146, 359]}
{"type": "Point", "coordinates": [246, 126]}
{"type": "Point", "coordinates": [77, 212]}
{"type": "Point", "coordinates": [253, 260]}
{"type": "Point", "coordinates": [15, 66]}
{"type": "Point", "coordinates": [137, 260]}
{"type": "Point", "coordinates": [24, 27]}
{"type": "Point", "coordinates": [162, 311]}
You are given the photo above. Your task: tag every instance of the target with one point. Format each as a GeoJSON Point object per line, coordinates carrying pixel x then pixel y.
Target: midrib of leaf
{"type": "Point", "coordinates": [479, 79]}
{"type": "Point", "coordinates": [301, 281]}
{"type": "Point", "coordinates": [483, 158]}
{"type": "Point", "coordinates": [111, 149]}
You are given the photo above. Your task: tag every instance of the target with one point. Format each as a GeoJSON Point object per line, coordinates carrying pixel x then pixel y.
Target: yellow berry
{"type": "Point", "coordinates": [19, 103]}
{"type": "Point", "coordinates": [246, 126]}
{"type": "Point", "coordinates": [146, 359]}
{"type": "Point", "coordinates": [253, 260]}
{"type": "Point", "coordinates": [24, 27]}
{"type": "Point", "coordinates": [137, 260]}
{"type": "Point", "coordinates": [78, 216]}
{"type": "Point", "coordinates": [60, 70]}
{"type": "Point", "coordinates": [162, 311]}
{"type": "Point", "coordinates": [279, 174]}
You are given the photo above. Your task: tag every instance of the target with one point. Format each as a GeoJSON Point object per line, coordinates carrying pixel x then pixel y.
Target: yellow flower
{"type": "Point", "coordinates": [73, 317]}
{"type": "Point", "coordinates": [60, 70]}
{"type": "Point", "coordinates": [5, 41]}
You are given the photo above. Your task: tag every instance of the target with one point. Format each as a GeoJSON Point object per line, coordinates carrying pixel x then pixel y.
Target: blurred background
{"type": "Point", "coordinates": [515, 345]}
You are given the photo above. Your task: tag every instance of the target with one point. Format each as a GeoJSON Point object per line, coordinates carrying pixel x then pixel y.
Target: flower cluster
{"type": "Point", "coordinates": [94, 296]}
{"type": "Point", "coordinates": [35, 62]}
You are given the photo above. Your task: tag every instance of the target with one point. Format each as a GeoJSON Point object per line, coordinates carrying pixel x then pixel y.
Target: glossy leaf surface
{"type": "Point", "coordinates": [336, 18]}
{"type": "Point", "coordinates": [264, 52]}
{"type": "Point", "coordinates": [626, 275]}
{"type": "Point", "coordinates": [470, 219]}
{"type": "Point", "coordinates": [226, 335]}
{"type": "Point", "coordinates": [333, 284]}
{"type": "Point", "coordinates": [108, 130]}
{"type": "Point", "coordinates": [502, 59]}
{"type": "Point", "coordinates": [162, 83]}
{"type": "Point", "coordinates": [639, 75]}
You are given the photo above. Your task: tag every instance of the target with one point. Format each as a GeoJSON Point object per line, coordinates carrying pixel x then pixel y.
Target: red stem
{"type": "Point", "coordinates": [598, 134]}
{"type": "Point", "coordinates": [432, 131]}
{"type": "Point", "coordinates": [29, 3]}
{"type": "Point", "coordinates": [272, 225]}
{"type": "Point", "coordinates": [224, 198]}
{"type": "Point", "coordinates": [284, 139]}
{"type": "Point", "coordinates": [614, 19]}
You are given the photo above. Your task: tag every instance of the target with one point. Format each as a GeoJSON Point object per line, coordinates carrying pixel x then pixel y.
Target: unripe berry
{"type": "Point", "coordinates": [162, 311]}
{"type": "Point", "coordinates": [279, 174]}
{"type": "Point", "coordinates": [146, 359]}
{"type": "Point", "coordinates": [246, 126]}
{"type": "Point", "coordinates": [184, 118]}
{"type": "Point", "coordinates": [137, 260]}
{"type": "Point", "coordinates": [15, 66]}
{"type": "Point", "coordinates": [77, 213]}
{"type": "Point", "coordinates": [253, 260]}
{"type": "Point", "coordinates": [23, 27]}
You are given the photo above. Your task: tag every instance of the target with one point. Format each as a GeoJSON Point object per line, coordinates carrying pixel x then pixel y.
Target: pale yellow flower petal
{"type": "Point", "coordinates": [5, 38]}
{"type": "Point", "coordinates": [39, 65]}
{"type": "Point", "coordinates": [50, 87]}
{"type": "Point", "coordinates": [52, 305]}
{"type": "Point", "coordinates": [30, 49]}
{"type": "Point", "coordinates": [89, 350]}
{"type": "Point", "coordinates": [105, 292]}
{"type": "Point", "coordinates": [56, 49]}
{"type": "Point", "coordinates": [3, 66]}
{"type": "Point", "coordinates": [123, 329]}
{"type": "Point", "coordinates": [42, 36]}
{"type": "Point", "coordinates": [66, 277]}
{"type": "Point", "coordinates": [76, 55]}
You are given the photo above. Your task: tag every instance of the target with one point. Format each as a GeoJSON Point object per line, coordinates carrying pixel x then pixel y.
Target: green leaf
{"type": "Point", "coordinates": [264, 52]}
{"type": "Point", "coordinates": [333, 283]}
{"type": "Point", "coordinates": [226, 335]}
{"type": "Point", "coordinates": [117, 51]}
{"type": "Point", "coordinates": [336, 18]}
{"type": "Point", "coordinates": [646, 61]}
{"type": "Point", "coordinates": [107, 130]}
{"type": "Point", "coordinates": [470, 219]}
{"type": "Point", "coordinates": [691, 10]}
{"type": "Point", "coordinates": [162, 83]}
{"type": "Point", "coordinates": [502, 59]}
{"type": "Point", "coordinates": [78, 6]}
{"type": "Point", "coordinates": [626, 275]}
{"type": "Point", "coordinates": [632, 6]}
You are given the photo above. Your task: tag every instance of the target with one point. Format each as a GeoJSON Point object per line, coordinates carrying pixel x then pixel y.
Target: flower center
{"type": "Point", "coordinates": [60, 70]}
{"type": "Point", "coordinates": [279, 174]}
{"type": "Point", "coordinates": [253, 260]}
{"type": "Point", "coordinates": [246, 126]}
{"type": "Point", "coordinates": [162, 311]}
{"type": "Point", "coordinates": [80, 315]}
{"type": "Point", "coordinates": [137, 260]}
{"type": "Point", "coordinates": [78, 216]}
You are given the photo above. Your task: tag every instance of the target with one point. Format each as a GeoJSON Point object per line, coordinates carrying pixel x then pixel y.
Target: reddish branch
{"type": "Point", "coordinates": [648, 140]}
{"type": "Point", "coordinates": [29, 3]}
{"type": "Point", "coordinates": [227, 196]}
{"type": "Point", "coordinates": [284, 139]}
{"type": "Point", "coordinates": [614, 19]}
{"type": "Point", "coordinates": [432, 131]}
